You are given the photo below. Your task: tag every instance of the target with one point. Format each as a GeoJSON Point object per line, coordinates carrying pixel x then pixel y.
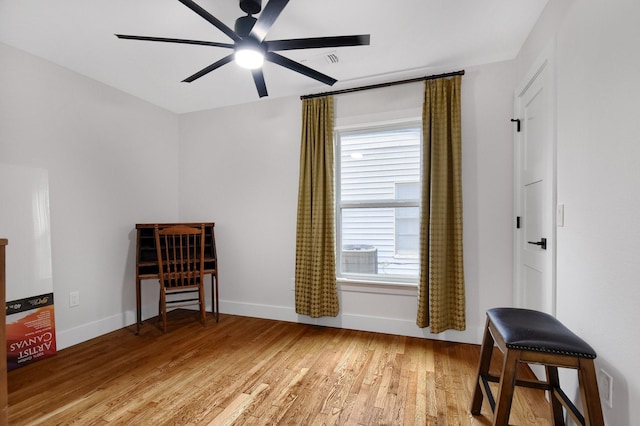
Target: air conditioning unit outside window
{"type": "Point", "coordinates": [359, 259]}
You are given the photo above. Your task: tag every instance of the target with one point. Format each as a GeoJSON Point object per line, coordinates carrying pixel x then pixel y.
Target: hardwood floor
{"type": "Point", "coordinates": [249, 371]}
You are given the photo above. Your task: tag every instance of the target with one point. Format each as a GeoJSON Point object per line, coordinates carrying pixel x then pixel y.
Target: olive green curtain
{"type": "Point", "coordinates": [441, 299]}
{"type": "Point", "coordinates": [316, 292]}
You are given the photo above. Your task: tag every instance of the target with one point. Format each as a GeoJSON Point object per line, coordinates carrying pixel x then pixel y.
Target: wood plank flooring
{"type": "Point", "coordinates": [248, 371]}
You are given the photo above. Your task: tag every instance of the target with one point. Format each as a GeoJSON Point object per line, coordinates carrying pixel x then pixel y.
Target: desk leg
{"type": "Point", "coordinates": [138, 306]}
{"type": "Point", "coordinates": [214, 296]}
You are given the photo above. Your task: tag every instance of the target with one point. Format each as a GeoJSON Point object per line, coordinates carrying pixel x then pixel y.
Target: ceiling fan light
{"type": "Point", "coordinates": [249, 58]}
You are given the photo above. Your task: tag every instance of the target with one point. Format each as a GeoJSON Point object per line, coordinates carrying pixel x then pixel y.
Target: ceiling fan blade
{"type": "Point", "coordinates": [297, 67]}
{"type": "Point", "coordinates": [175, 40]}
{"type": "Point", "coordinates": [318, 42]}
{"type": "Point", "coordinates": [208, 69]}
{"type": "Point", "coordinates": [268, 16]}
{"type": "Point", "coordinates": [212, 19]}
{"type": "Point", "coordinates": [258, 78]}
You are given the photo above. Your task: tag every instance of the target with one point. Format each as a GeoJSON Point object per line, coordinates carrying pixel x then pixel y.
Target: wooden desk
{"type": "Point", "coordinates": [147, 261]}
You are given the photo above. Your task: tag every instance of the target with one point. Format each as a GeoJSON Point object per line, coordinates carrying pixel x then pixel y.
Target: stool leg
{"type": "Point", "coordinates": [589, 393]}
{"type": "Point", "coordinates": [556, 406]}
{"type": "Point", "coordinates": [486, 352]}
{"type": "Point", "coordinates": [506, 387]}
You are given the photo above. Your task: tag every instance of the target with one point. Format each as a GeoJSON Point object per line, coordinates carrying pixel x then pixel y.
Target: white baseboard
{"type": "Point", "coordinates": [84, 332]}
{"type": "Point", "coordinates": [402, 327]}
{"type": "Point", "coordinates": [385, 325]}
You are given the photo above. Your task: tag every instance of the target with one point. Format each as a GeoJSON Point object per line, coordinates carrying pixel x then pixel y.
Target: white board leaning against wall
{"type": "Point", "coordinates": [25, 222]}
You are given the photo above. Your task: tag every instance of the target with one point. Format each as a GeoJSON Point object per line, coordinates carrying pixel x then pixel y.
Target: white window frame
{"type": "Point", "coordinates": [391, 281]}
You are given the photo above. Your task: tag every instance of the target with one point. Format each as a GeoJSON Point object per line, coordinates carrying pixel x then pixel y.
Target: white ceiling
{"type": "Point", "coordinates": [409, 38]}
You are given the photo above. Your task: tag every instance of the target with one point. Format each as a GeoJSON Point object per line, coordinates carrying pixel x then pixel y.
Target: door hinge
{"type": "Point", "coordinates": [517, 222]}
{"type": "Point", "coordinates": [516, 120]}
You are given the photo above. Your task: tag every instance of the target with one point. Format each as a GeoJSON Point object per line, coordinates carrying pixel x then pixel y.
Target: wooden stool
{"type": "Point", "coordinates": [532, 337]}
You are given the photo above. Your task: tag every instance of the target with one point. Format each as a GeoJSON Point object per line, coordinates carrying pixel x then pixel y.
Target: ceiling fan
{"type": "Point", "coordinates": [250, 49]}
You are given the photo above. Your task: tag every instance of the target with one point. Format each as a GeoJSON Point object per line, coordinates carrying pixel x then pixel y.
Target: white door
{"type": "Point", "coordinates": [535, 197]}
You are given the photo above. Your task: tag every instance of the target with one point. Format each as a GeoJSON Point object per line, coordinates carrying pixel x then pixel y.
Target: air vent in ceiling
{"type": "Point", "coordinates": [318, 59]}
{"type": "Point", "coordinates": [332, 58]}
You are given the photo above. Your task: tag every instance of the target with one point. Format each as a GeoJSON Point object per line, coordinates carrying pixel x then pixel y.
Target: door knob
{"type": "Point", "coordinates": [542, 243]}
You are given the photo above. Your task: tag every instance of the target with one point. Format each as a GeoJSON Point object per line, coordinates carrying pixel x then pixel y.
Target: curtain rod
{"type": "Point", "coordinates": [379, 85]}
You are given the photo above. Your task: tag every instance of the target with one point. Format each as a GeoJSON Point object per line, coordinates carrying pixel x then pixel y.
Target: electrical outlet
{"type": "Point", "coordinates": [605, 383]}
{"type": "Point", "coordinates": [74, 299]}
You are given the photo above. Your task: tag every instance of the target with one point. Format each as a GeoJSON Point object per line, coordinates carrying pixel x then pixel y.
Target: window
{"type": "Point", "coordinates": [378, 202]}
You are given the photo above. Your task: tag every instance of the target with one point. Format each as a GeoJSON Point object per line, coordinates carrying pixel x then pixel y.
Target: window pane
{"type": "Point", "coordinates": [372, 164]}
{"type": "Point", "coordinates": [369, 243]}
{"type": "Point", "coordinates": [378, 201]}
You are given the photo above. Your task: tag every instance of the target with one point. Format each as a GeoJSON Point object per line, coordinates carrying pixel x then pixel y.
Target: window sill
{"type": "Point", "coordinates": [377, 287]}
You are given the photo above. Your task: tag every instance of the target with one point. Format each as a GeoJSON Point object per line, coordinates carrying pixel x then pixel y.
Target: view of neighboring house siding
{"type": "Point", "coordinates": [378, 167]}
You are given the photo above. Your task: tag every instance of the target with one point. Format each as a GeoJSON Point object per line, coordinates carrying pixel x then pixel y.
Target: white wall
{"type": "Point", "coordinates": [111, 160]}
{"type": "Point", "coordinates": [598, 79]}
{"type": "Point", "coordinates": [239, 168]}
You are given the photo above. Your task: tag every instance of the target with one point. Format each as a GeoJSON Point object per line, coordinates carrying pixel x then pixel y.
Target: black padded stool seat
{"type": "Point", "coordinates": [537, 331]}
{"type": "Point", "coordinates": [532, 337]}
